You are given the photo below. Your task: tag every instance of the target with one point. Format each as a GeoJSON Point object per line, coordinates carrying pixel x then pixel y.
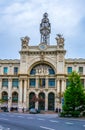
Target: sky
{"type": "Point", "coordinates": [20, 18]}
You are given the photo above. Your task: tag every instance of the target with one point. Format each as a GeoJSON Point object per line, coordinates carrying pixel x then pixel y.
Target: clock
{"type": "Point", "coordinates": [42, 46]}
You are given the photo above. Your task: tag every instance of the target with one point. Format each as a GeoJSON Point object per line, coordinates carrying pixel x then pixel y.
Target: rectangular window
{"type": "Point", "coordinates": [4, 82]}
{"type": "Point", "coordinates": [80, 70]}
{"type": "Point", "coordinates": [32, 82]}
{"type": "Point", "coordinates": [15, 70]}
{"type": "Point", "coordinates": [5, 70]}
{"type": "Point", "coordinates": [51, 82]}
{"type": "Point", "coordinates": [69, 70]}
{"type": "Point", "coordinates": [15, 83]}
{"type": "Point", "coordinates": [42, 82]}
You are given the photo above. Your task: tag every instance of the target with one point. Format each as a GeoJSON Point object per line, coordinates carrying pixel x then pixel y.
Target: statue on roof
{"type": "Point", "coordinates": [60, 40]}
{"type": "Point", "coordinates": [25, 41]}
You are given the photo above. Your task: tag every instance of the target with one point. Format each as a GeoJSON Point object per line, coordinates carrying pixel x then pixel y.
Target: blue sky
{"type": "Point", "coordinates": [19, 18]}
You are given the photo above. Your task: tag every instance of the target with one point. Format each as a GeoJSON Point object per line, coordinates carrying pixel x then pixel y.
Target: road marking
{"type": "Point", "coordinates": [3, 128]}
{"type": "Point", "coordinates": [3, 119]}
{"type": "Point", "coordinates": [40, 119]}
{"type": "Point", "coordinates": [69, 123]}
{"type": "Point", "coordinates": [47, 128]}
{"type": "Point", "coordinates": [54, 121]}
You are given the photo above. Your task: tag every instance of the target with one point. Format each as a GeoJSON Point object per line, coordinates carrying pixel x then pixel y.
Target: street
{"type": "Point", "coordinates": [20, 121]}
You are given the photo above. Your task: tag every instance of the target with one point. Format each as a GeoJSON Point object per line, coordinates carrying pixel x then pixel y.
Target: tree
{"type": "Point", "coordinates": [74, 96]}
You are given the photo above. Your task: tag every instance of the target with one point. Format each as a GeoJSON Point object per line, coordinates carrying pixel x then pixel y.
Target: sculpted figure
{"type": "Point", "coordinates": [25, 39]}
{"type": "Point", "coordinates": [60, 39]}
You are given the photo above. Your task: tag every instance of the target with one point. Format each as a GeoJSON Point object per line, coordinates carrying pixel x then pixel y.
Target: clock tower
{"type": "Point", "coordinates": [45, 29]}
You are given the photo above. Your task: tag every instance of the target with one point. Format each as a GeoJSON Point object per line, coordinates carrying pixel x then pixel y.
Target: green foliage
{"type": "Point", "coordinates": [1, 100]}
{"type": "Point", "coordinates": [74, 96]}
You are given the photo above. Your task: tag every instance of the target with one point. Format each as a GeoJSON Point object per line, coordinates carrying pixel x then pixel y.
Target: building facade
{"type": "Point", "coordinates": [39, 78]}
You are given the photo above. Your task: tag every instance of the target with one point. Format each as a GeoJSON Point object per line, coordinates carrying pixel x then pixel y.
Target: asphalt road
{"type": "Point", "coordinates": [16, 121]}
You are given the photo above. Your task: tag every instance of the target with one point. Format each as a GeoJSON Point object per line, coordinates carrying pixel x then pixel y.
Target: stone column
{"type": "Point", "coordinates": [58, 92]}
{"type": "Point", "coordinates": [63, 86]}
{"type": "Point", "coordinates": [20, 97]}
{"type": "Point", "coordinates": [46, 102]}
{"type": "Point", "coordinates": [27, 103]}
{"type": "Point", "coordinates": [9, 94]}
{"type": "Point", "coordinates": [0, 87]}
{"type": "Point", "coordinates": [25, 93]}
{"type": "Point", "coordinates": [37, 82]}
{"type": "Point", "coordinates": [58, 86]}
{"type": "Point", "coordinates": [46, 86]}
{"type": "Point", "coordinates": [36, 103]}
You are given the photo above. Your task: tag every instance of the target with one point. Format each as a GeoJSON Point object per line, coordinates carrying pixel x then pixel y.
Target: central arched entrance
{"type": "Point", "coordinates": [51, 101]}
{"type": "Point", "coordinates": [32, 100]}
{"type": "Point", "coordinates": [41, 98]}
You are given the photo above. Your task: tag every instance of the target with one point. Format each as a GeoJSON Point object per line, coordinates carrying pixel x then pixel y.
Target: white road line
{"type": "Point", "coordinates": [83, 125]}
{"type": "Point", "coordinates": [47, 128]}
{"type": "Point", "coordinates": [40, 119]}
{"type": "Point", "coordinates": [54, 121]}
{"type": "Point", "coordinates": [3, 119]}
{"type": "Point", "coordinates": [69, 123]}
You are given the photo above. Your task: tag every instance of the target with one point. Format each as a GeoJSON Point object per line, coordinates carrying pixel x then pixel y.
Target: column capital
{"type": "Point", "coordinates": [10, 79]}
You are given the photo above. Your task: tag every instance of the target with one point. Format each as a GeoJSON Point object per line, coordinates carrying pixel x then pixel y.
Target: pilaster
{"type": "Point", "coordinates": [46, 86]}
{"type": "Point", "coordinates": [46, 102]}
{"type": "Point", "coordinates": [9, 93]}
{"type": "Point", "coordinates": [20, 96]}
{"type": "Point", "coordinates": [37, 82]}
{"type": "Point", "coordinates": [25, 93]}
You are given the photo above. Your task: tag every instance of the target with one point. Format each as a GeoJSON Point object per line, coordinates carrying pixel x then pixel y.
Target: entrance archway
{"type": "Point", "coordinates": [5, 96]}
{"type": "Point", "coordinates": [51, 101]}
{"type": "Point", "coordinates": [32, 97]}
{"type": "Point", "coordinates": [15, 97]}
{"type": "Point", "coordinates": [14, 101]}
{"type": "Point", "coordinates": [41, 98]}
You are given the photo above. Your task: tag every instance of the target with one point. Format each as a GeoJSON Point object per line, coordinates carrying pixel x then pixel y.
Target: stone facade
{"type": "Point", "coordinates": [39, 78]}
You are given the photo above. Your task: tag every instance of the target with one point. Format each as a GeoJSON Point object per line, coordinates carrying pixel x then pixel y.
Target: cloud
{"type": "Point", "coordinates": [19, 17]}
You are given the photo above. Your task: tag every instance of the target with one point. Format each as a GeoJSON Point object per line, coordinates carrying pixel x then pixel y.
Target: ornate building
{"type": "Point", "coordinates": [40, 77]}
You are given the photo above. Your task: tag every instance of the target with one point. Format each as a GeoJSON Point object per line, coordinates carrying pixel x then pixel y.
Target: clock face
{"type": "Point", "coordinates": [42, 46]}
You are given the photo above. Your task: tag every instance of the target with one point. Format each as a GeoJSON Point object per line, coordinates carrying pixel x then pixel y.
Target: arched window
{"type": "Point", "coordinates": [42, 69]}
{"type": "Point", "coordinates": [15, 97]}
{"type": "Point", "coordinates": [41, 101]}
{"type": "Point", "coordinates": [51, 101]}
{"type": "Point", "coordinates": [5, 96]}
{"type": "Point", "coordinates": [51, 71]}
{"type": "Point", "coordinates": [32, 100]}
